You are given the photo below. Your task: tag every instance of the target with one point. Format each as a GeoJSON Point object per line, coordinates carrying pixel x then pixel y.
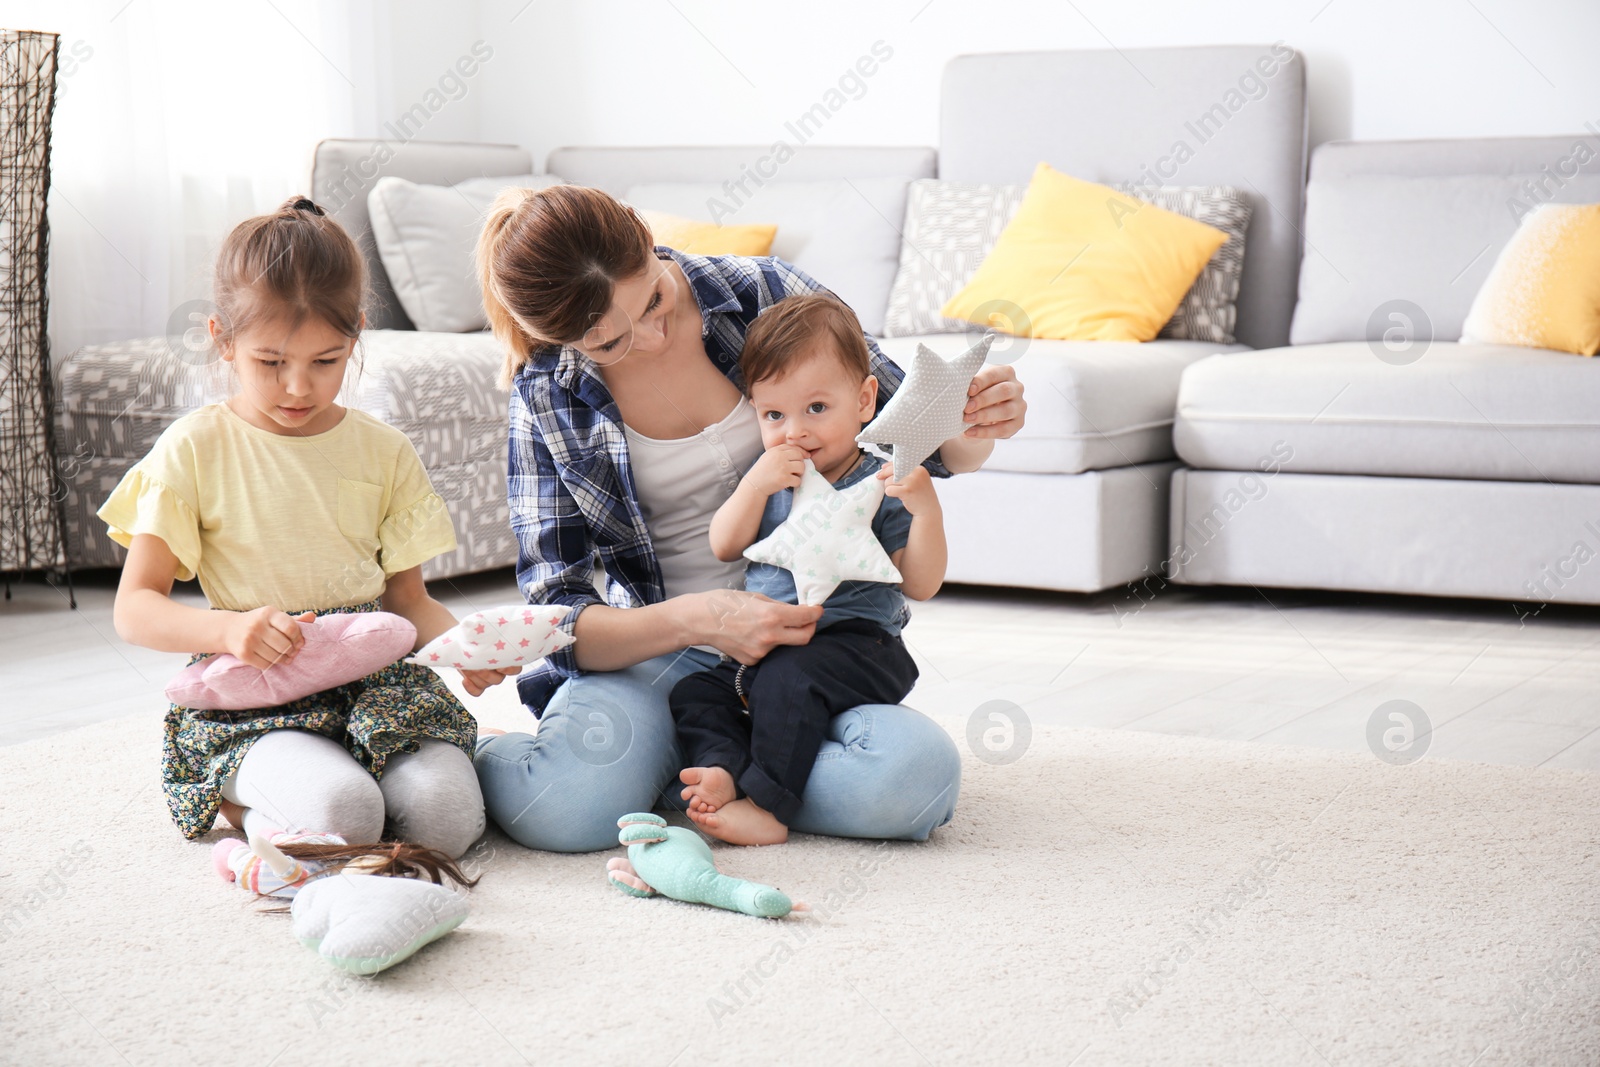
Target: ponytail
{"type": "Point", "coordinates": [293, 263]}
{"type": "Point", "coordinates": [548, 261]}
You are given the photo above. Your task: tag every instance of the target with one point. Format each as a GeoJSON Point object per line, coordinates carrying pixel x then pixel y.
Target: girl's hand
{"type": "Point", "coordinates": [477, 681]}
{"type": "Point", "coordinates": [779, 467]}
{"type": "Point", "coordinates": [264, 637]}
{"type": "Point", "coordinates": [916, 492]}
{"type": "Point", "coordinates": [995, 407]}
{"type": "Point", "coordinates": [748, 625]}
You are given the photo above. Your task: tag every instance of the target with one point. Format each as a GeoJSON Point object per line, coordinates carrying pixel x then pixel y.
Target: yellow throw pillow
{"type": "Point", "coordinates": [1084, 262]}
{"type": "Point", "coordinates": [1544, 290]}
{"type": "Point", "coordinates": [707, 238]}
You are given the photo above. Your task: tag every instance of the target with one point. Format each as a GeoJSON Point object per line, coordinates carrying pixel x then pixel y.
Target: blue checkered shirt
{"type": "Point", "coordinates": [570, 484]}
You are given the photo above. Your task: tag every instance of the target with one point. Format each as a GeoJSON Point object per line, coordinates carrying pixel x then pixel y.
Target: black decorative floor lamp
{"type": "Point", "coordinates": [33, 528]}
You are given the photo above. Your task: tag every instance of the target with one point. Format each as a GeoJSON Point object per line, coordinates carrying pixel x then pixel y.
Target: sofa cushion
{"type": "Point", "coordinates": [1092, 405]}
{"type": "Point", "coordinates": [343, 172]}
{"type": "Point", "coordinates": [1373, 240]}
{"type": "Point", "coordinates": [114, 400]}
{"type": "Point", "coordinates": [1544, 291]}
{"type": "Point", "coordinates": [952, 226]}
{"type": "Point", "coordinates": [1085, 263]}
{"type": "Point", "coordinates": [844, 233]}
{"type": "Point", "coordinates": [1231, 115]}
{"type": "Point", "coordinates": [707, 238]}
{"type": "Point", "coordinates": [426, 236]}
{"type": "Point", "coordinates": [1459, 411]}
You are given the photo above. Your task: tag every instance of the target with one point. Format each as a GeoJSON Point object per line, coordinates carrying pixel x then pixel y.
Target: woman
{"type": "Point", "coordinates": [628, 430]}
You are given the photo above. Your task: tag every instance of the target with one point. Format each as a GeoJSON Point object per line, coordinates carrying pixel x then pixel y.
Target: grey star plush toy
{"type": "Point", "coordinates": [926, 410]}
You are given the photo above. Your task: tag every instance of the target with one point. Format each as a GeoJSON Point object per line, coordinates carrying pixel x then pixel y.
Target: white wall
{"type": "Point", "coordinates": [690, 72]}
{"type": "Point", "coordinates": [178, 117]}
{"type": "Point", "coordinates": [425, 42]}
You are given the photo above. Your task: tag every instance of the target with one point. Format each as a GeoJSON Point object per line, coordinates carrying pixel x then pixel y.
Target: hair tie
{"type": "Point", "coordinates": [303, 204]}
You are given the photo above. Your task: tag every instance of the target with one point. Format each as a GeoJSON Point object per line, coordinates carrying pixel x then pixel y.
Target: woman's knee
{"type": "Point", "coordinates": [605, 747]}
{"type": "Point", "coordinates": [588, 829]}
{"type": "Point", "coordinates": [917, 764]}
{"type": "Point", "coordinates": [543, 797]}
{"type": "Point", "coordinates": [432, 798]}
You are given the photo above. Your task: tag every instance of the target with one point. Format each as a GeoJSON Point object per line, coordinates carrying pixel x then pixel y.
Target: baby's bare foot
{"type": "Point", "coordinates": [742, 822]}
{"type": "Point", "coordinates": [707, 788]}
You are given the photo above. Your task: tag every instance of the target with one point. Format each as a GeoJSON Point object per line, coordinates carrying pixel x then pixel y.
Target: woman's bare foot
{"type": "Point", "coordinates": [490, 731]}
{"type": "Point", "coordinates": [742, 822]}
{"type": "Point", "coordinates": [707, 788]}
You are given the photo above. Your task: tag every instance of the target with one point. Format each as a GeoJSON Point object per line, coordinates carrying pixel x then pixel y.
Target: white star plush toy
{"type": "Point", "coordinates": [926, 410]}
{"type": "Point", "coordinates": [827, 538]}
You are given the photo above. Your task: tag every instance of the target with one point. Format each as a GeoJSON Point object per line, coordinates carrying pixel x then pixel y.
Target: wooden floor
{"type": "Point", "coordinates": [1479, 680]}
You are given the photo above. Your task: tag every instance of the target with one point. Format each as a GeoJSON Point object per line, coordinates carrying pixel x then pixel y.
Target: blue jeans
{"type": "Point", "coordinates": [606, 747]}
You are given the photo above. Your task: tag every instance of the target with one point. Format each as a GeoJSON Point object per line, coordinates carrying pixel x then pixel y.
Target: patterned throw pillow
{"type": "Point", "coordinates": [951, 226]}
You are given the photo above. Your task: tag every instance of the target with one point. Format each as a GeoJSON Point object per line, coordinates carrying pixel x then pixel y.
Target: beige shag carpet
{"type": "Point", "coordinates": [1112, 897]}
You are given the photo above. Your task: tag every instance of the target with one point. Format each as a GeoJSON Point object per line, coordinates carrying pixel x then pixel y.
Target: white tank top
{"type": "Point", "coordinates": [681, 483]}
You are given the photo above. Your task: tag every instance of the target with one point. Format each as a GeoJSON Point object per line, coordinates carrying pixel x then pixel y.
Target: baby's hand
{"type": "Point", "coordinates": [265, 636]}
{"type": "Point", "coordinates": [477, 681]}
{"type": "Point", "coordinates": [916, 492]}
{"type": "Point", "coordinates": [780, 467]}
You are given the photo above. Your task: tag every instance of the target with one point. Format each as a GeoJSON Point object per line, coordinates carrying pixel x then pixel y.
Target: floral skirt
{"type": "Point", "coordinates": [390, 711]}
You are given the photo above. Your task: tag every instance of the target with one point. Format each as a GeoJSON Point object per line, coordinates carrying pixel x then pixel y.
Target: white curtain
{"type": "Point", "coordinates": [177, 119]}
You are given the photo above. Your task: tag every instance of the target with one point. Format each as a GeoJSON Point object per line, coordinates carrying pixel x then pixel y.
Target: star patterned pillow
{"type": "Point", "coordinates": [498, 638]}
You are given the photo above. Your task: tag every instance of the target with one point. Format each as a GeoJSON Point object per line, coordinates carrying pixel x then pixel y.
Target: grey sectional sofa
{"type": "Point", "coordinates": [1077, 501]}
{"type": "Point", "coordinates": [1319, 459]}
{"type": "Point", "coordinates": [1377, 452]}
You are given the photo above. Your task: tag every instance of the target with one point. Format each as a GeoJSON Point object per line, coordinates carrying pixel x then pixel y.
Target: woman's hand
{"type": "Point", "coordinates": [995, 407]}
{"type": "Point", "coordinates": [748, 625]}
{"type": "Point", "coordinates": [264, 637]}
{"type": "Point", "coordinates": [476, 682]}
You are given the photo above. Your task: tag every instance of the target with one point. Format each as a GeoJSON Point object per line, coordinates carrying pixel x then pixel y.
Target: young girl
{"type": "Point", "coordinates": [288, 506]}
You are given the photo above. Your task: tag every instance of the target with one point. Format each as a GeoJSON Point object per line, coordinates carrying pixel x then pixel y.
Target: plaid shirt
{"type": "Point", "coordinates": [570, 484]}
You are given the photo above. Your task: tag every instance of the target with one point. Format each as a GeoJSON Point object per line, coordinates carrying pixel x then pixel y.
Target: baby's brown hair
{"type": "Point", "coordinates": [295, 260]}
{"type": "Point", "coordinates": [780, 336]}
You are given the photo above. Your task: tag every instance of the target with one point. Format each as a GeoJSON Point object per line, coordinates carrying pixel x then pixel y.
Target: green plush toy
{"type": "Point", "coordinates": [676, 863]}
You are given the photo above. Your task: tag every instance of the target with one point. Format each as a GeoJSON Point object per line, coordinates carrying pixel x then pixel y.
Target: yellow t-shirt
{"type": "Point", "coordinates": [298, 523]}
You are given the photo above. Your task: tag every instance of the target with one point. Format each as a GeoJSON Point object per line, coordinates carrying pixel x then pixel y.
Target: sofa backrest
{"type": "Point", "coordinates": [1412, 228]}
{"type": "Point", "coordinates": [616, 170]}
{"type": "Point", "coordinates": [839, 210]}
{"type": "Point", "coordinates": [343, 172]}
{"type": "Point", "coordinates": [1230, 115]}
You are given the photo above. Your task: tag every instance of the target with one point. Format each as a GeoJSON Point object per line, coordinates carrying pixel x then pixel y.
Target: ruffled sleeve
{"type": "Point", "coordinates": [417, 527]}
{"type": "Point", "coordinates": [141, 504]}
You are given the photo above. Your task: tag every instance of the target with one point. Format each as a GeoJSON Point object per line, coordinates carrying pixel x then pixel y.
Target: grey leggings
{"type": "Point", "coordinates": [299, 781]}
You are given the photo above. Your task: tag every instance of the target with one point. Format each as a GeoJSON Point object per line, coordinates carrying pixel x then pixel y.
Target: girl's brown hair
{"type": "Point", "coordinates": [548, 262]}
{"type": "Point", "coordinates": [296, 262]}
{"type": "Point", "coordinates": [782, 333]}
{"type": "Point", "coordinates": [394, 858]}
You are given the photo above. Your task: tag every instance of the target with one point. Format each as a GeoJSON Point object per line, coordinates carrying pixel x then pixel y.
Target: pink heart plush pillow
{"type": "Point", "coordinates": [497, 638]}
{"type": "Point", "coordinates": [340, 648]}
